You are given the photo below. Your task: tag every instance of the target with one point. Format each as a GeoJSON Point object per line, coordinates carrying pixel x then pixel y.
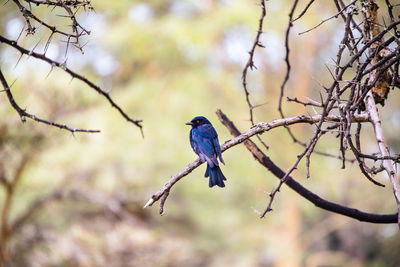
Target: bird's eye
{"type": "Point", "coordinates": [197, 121]}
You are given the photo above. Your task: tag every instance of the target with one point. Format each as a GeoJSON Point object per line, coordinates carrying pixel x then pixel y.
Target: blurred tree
{"type": "Point", "coordinates": [83, 208]}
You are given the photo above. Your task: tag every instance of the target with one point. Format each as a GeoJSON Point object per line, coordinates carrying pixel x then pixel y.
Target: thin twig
{"type": "Point", "coordinates": [250, 65]}
{"type": "Point", "coordinates": [73, 75]}
{"type": "Point", "coordinates": [327, 19]}
{"type": "Point", "coordinates": [24, 114]}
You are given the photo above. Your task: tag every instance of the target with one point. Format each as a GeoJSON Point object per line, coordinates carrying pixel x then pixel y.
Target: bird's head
{"type": "Point", "coordinates": [197, 121]}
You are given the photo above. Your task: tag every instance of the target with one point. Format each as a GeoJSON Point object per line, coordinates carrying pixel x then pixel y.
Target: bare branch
{"type": "Point", "coordinates": [287, 60]}
{"type": "Point", "coordinates": [24, 114]}
{"type": "Point", "coordinates": [387, 164]}
{"type": "Point", "coordinates": [250, 62]}
{"type": "Point", "coordinates": [73, 75]}
{"type": "Point", "coordinates": [304, 10]}
{"type": "Point", "coordinates": [73, 3]}
{"type": "Point", "coordinates": [331, 17]}
{"type": "Point", "coordinates": [257, 129]}
{"type": "Point", "coordinates": [379, 85]}
{"type": "Point", "coordinates": [298, 188]}
{"type": "Point", "coordinates": [250, 65]}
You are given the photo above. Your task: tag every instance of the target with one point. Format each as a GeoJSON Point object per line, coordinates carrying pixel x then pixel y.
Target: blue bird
{"type": "Point", "coordinates": [204, 141]}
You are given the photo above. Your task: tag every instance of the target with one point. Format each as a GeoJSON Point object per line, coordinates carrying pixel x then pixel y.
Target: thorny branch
{"type": "Point", "coordinates": [369, 53]}
{"type": "Point", "coordinates": [250, 62]}
{"type": "Point", "coordinates": [288, 68]}
{"type": "Point", "coordinates": [73, 37]}
{"type": "Point", "coordinates": [357, 88]}
{"type": "Point", "coordinates": [380, 88]}
{"type": "Point", "coordinates": [298, 188]}
{"type": "Point", "coordinates": [77, 30]}
{"type": "Point", "coordinates": [23, 114]}
{"type": "Point", "coordinates": [331, 17]}
{"type": "Point", "coordinates": [276, 171]}
{"type": "Point", "coordinates": [256, 129]}
{"type": "Point", "coordinates": [250, 65]}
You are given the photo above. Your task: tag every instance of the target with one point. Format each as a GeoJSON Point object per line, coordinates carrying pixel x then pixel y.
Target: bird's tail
{"type": "Point", "coordinates": [216, 176]}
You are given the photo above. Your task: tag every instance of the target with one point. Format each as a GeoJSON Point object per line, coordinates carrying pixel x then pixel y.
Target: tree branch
{"type": "Point", "coordinates": [250, 62]}
{"type": "Point", "coordinates": [298, 188]}
{"type": "Point", "coordinates": [256, 129]}
{"type": "Point", "coordinates": [250, 65]}
{"type": "Point", "coordinates": [73, 75]}
{"type": "Point", "coordinates": [24, 114]}
{"type": "Point", "coordinates": [387, 163]}
{"type": "Point", "coordinates": [380, 88]}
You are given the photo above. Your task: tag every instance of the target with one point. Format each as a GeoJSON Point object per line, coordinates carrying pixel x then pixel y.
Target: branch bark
{"type": "Point", "coordinates": [379, 90]}
{"type": "Point", "coordinates": [387, 164]}
{"type": "Point", "coordinates": [256, 129]}
{"type": "Point", "coordinates": [298, 188]}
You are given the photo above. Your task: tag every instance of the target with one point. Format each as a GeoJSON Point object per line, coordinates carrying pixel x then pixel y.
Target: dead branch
{"type": "Point", "coordinates": [380, 87]}
{"type": "Point", "coordinates": [73, 75]}
{"type": "Point", "coordinates": [72, 36]}
{"type": "Point", "coordinates": [346, 97]}
{"type": "Point", "coordinates": [298, 188]}
{"type": "Point", "coordinates": [304, 10]}
{"type": "Point", "coordinates": [24, 114]}
{"type": "Point", "coordinates": [250, 65]}
{"type": "Point", "coordinates": [257, 129]}
{"type": "Point", "coordinates": [250, 62]}
{"type": "Point", "coordinates": [387, 163]}
{"type": "Point", "coordinates": [331, 17]}
{"type": "Point", "coordinates": [382, 63]}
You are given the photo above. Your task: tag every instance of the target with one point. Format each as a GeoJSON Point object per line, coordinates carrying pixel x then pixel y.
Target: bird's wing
{"type": "Point", "coordinates": [204, 146]}
{"type": "Point", "coordinates": [208, 131]}
{"type": "Point", "coordinates": [218, 149]}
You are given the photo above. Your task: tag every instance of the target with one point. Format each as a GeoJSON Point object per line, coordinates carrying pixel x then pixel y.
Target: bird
{"type": "Point", "coordinates": [204, 142]}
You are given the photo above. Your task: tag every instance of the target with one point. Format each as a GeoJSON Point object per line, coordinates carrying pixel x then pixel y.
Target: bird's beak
{"type": "Point", "coordinates": [189, 123]}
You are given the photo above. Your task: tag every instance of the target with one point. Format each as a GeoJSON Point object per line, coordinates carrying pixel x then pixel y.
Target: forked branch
{"type": "Point", "coordinates": [256, 129]}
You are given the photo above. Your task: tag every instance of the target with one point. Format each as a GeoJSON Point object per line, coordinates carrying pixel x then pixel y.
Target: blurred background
{"type": "Point", "coordinates": [79, 198]}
